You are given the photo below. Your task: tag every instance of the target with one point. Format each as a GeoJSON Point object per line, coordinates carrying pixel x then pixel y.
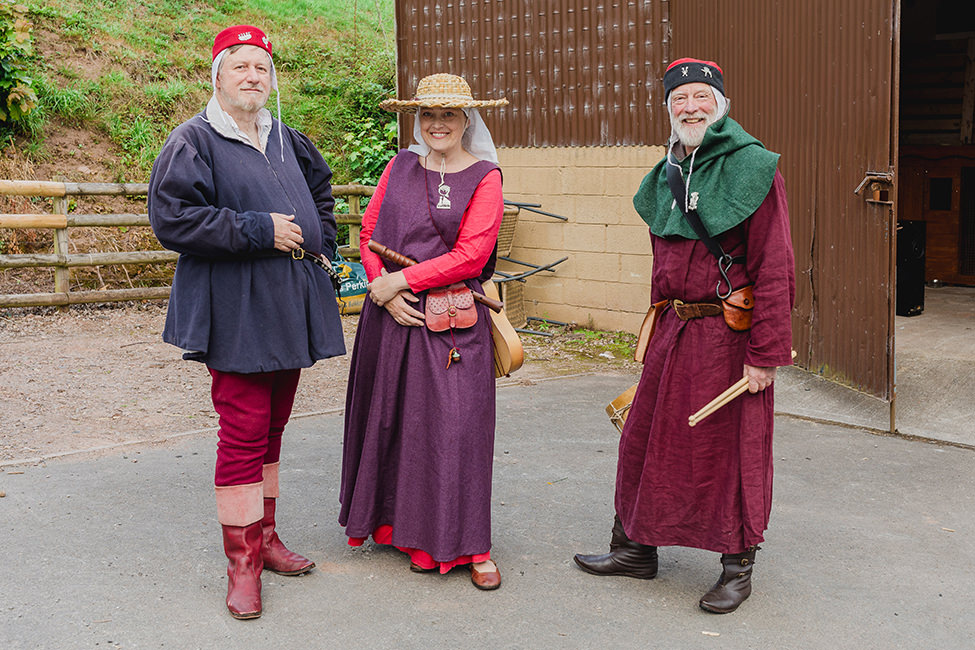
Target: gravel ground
{"type": "Point", "coordinates": [94, 377]}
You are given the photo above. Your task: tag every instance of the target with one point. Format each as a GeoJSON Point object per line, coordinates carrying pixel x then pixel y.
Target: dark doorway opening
{"type": "Point", "coordinates": [936, 162]}
{"type": "Point", "coordinates": [935, 301]}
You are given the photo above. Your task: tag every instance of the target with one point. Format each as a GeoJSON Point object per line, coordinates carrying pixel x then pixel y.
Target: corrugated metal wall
{"type": "Point", "coordinates": [577, 73]}
{"type": "Point", "coordinates": [813, 81]}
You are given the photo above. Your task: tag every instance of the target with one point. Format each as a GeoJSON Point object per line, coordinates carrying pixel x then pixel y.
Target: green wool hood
{"type": "Point", "coordinates": [732, 175]}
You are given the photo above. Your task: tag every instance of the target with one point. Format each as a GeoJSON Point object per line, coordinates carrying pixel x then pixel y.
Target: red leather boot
{"type": "Point", "coordinates": [242, 544]}
{"type": "Point", "coordinates": [239, 513]}
{"type": "Point", "coordinates": [277, 557]}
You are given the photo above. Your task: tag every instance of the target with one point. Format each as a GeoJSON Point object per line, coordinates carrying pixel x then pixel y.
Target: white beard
{"type": "Point", "coordinates": [691, 136]}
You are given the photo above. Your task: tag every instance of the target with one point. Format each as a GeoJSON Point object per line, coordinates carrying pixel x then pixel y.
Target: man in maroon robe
{"type": "Point", "coordinates": [707, 486]}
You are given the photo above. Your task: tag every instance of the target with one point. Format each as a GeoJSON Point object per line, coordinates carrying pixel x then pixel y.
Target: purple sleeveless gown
{"type": "Point", "coordinates": [419, 437]}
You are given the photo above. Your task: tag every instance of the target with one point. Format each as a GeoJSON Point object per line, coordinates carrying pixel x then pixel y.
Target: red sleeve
{"type": "Point", "coordinates": [372, 263]}
{"type": "Point", "coordinates": [475, 241]}
{"type": "Point", "coordinates": [771, 266]}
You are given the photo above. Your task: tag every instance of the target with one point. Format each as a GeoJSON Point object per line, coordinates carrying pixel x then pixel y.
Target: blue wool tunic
{"type": "Point", "coordinates": [237, 304]}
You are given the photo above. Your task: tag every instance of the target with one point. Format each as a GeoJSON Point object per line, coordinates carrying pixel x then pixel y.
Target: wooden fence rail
{"type": "Point", "coordinates": [61, 222]}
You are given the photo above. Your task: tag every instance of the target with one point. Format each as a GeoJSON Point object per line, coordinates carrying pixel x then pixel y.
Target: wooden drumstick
{"type": "Point", "coordinates": [403, 260]}
{"type": "Point", "coordinates": [735, 390]}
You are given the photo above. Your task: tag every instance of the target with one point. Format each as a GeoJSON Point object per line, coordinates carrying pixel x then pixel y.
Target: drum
{"type": "Point", "coordinates": [620, 407]}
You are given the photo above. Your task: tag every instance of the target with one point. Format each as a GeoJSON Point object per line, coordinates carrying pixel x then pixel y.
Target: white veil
{"type": "Point", "coordinates": [476, 140]}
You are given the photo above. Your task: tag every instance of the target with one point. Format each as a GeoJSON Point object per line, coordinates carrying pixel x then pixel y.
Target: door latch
{"type": "Point", "coordinates": [878, 185]}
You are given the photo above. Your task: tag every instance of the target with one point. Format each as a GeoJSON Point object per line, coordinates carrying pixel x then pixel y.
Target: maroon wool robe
{"type": "Point", "coordinates": [708, 486]}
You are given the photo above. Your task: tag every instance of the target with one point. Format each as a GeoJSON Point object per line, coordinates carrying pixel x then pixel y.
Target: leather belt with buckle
{"type": "Point", "coordinates": [689, 310]}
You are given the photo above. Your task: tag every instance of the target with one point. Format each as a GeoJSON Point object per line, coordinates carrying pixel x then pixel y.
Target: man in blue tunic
{"type": "Point", "coordinates": [242, 198]}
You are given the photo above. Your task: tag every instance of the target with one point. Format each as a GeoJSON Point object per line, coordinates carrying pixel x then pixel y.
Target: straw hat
{"type": "Point", "coordinates": [440, 91]}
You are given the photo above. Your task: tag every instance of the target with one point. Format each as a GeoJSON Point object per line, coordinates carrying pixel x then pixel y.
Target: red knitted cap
{"type": "Point", "coordinates": [241, 35]}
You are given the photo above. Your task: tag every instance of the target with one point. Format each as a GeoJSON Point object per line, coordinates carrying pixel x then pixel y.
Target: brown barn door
{"type": "Point", "coordinates": [816, 82]}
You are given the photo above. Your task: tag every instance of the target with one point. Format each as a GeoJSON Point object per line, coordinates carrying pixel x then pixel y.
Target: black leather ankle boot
{"type": "Point", "coordinates": [734, 585]}
{"type": "Point", "coordinates": [625, 558]}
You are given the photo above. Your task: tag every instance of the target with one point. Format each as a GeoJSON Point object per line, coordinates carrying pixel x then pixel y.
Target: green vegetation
{"type": "Point", "coordinates": [17, 99]}
{"type": "Point", "coordinates": [369, 149]}
{"type": "Point", "coordinates": [134, 71]}
{"type": "Point", "coordinates": [594, 343]}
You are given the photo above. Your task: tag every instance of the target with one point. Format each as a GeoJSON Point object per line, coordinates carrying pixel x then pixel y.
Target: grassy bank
{"type": "Point", "coordinates": [128, 73]}
{"type": "Point", "coordinates": [114, 77]}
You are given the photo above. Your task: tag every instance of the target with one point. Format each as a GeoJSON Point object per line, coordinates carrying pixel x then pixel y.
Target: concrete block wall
{"type": "Point", "coordinates": [605, 283]}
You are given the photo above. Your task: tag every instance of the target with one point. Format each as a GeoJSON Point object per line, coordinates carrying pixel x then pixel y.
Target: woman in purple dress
{"type": "Point", "coordinates": [419, 418]}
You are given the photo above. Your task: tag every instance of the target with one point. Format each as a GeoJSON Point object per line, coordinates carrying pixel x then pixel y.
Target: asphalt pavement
{"type": "Point", "coordinates": [870, 546]}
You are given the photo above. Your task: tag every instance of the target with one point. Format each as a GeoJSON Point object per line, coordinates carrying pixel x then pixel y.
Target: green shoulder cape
{"type": "Point", "coordinates": [732, 175]}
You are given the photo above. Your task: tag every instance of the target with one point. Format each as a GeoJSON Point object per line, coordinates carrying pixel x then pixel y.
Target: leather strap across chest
{"type": "Point", "coordinates": [724, 260]}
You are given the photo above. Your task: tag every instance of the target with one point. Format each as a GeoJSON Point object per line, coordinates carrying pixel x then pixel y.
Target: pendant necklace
{"type": "Point", "coordinates": [443, 189]}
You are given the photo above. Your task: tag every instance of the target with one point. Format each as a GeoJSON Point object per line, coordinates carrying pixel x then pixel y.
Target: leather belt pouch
{"type": "Point", "coordinates": [737, 309]}
{"type": "Point", "coordinates": [450, 307]}
{"type": "Point", "coordinates": [647, 329]}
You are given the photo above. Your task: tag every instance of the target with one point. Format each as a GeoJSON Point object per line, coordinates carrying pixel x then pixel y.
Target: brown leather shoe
{"type": "Point", "coordinates": [486, 580]}
{"type": "Point", "coordinates": [733, 586]}
{"type": "Point", "coordinates": [625, 558]}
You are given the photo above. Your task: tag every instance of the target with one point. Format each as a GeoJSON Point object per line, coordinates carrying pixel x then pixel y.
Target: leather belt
{"type": "Point", "coordinates": [689, 310]}
{"type": "Point", "coordinates": [300, 253]}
